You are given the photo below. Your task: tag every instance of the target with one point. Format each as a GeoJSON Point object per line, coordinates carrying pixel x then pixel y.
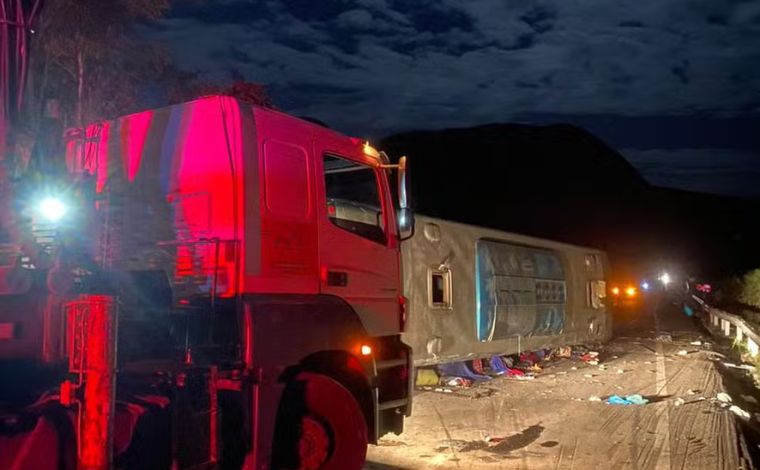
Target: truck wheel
{"type": "Point", "coordinates": [322, 426]}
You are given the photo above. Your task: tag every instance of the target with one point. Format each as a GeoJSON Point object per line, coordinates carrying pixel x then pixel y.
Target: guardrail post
{"type": "Point", "coordinates": [752, 347]}
{"type": "Point", "coordinates": [744, 331]}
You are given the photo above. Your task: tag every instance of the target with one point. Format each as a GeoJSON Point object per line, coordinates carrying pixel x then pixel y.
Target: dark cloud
{"type": "Point", "coordinates": [539, 18]}
{"type": "Point", "coordinates": [681, 72]}
{"type": "Point", "coordinates": [432, 17]}
{"type": "Point", "coordinates": [370, 67]}
{"type": "Point", "coordinates": [664, 57]}
{"type": "Point", "coordinates": [225, 12]}
{"type": "Point", "coordinates": [631, 24]}
{"type": "Point", "coordinates": [309, 10]}
{"type": "Point", "coordinates": [716, 171]}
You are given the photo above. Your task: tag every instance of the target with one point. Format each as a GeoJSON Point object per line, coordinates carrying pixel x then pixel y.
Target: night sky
{"type": "Point", "coordinates": [674, 85]}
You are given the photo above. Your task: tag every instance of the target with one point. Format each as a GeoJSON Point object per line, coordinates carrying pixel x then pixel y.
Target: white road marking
{"type": "Point", "coordinates": [662, 432]}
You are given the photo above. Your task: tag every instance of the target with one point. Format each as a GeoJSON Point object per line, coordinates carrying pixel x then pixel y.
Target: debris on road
{"type": "Point", "coordinates": [426, 377]}
{"type": "Point", "coordinates": [390, 443]}
{"type": "Point", "coordinates": [564, 352]}
{"type": "Point", "coordinates": [629, 400]}
{"type": "Point", "coordinates": [617, 400]}
{"type": "Point", "coordinates": [449, 377]}
{"type": "Point", "coordinates": [533, 368]}
{"type": "Point", "coordinates": [525, 377]}
{"type": "Point", "coordinates": [664, 338]}
{"type": "Point", "coordinates": [513, 372]}
{"type": "Point", "coordinates": [461, 369]}
{"type": "Point", "coordinates": [530, 358]}
{"type": "Point", "coordinates": [499, 365]}
{"type": "Point", "coordinates": [683, 352]}
{"type": "Point", "coordinates": [523, 366]}
{"type": "Point", "coordinates": [456, 382]}
{"type": "Point", "coordinates": [590, 358]}
{"type": "Point", "coordinates": [590, 413]}
{"type": "Point", "coordinates": [477, 367]}
{"type": "Point", "coordinates": [436, 389]}
{"type": "Point", "coordinates": [739, 412]}
{"type": "Point", "coordinates": [637, 399]}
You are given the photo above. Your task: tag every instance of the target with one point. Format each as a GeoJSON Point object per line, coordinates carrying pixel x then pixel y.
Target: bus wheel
{"type": "Point", "coordinates": [330, 430]}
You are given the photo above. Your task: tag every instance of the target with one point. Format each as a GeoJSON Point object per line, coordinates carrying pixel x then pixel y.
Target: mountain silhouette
{"type": "Point", "coordinates": [564, 183]}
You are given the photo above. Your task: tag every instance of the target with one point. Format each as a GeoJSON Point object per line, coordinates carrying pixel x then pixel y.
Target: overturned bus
{"type": "Point", "coordinates": [475, 292]}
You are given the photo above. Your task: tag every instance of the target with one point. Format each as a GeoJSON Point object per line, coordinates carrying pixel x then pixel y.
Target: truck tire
{"type": "Point", "coordinates": [320, 426]}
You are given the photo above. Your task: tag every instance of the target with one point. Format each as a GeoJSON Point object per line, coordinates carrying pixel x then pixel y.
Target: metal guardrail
{"type": "Point", "coordinates": [733, 326]}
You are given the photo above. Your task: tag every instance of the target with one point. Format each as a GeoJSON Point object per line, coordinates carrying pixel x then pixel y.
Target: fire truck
{"type": "Point", "coordinates": [206, 285]}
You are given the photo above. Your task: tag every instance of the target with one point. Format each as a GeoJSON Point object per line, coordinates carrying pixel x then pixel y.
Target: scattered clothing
{"type": "Point", "coordinates": [426, 377]}
{"type": "Point", "coordinates": [629, 400]}
{"type": "Point", "coordinates": [460, 369]}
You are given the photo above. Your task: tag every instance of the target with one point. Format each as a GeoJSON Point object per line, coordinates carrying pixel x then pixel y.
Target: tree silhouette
{"type": "Point", "coordinates": [83, 57]}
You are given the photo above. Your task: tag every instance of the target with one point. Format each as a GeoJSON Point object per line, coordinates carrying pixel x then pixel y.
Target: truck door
{"type": "Point", "coordinates": [358, 247]}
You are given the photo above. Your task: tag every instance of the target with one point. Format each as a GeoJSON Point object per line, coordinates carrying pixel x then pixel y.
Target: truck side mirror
{"type": "Point", "coordinates": [405, 213]}
{"type": "Point", "coordinates": [405, 224]}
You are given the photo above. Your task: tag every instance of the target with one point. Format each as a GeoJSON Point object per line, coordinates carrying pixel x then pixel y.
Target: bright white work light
{"type": "Point", "coordinates": [665, 278]}
{"type": "Point", "coordinates": [52, 209]}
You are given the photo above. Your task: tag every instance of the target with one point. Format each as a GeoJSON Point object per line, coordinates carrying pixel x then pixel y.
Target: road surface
{"type": "Point", "coordinates": [550, 422]}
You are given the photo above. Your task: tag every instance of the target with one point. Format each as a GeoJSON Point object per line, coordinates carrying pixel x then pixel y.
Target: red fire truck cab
{"type": "Point", "coordinates": [216, 285]}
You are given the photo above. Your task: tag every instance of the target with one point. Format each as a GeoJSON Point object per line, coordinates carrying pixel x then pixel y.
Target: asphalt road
{"type": "Point", "coordinates": [553, 421]}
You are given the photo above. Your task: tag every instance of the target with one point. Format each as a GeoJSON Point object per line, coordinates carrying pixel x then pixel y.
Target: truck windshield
{"type": "Point", "coordinates": [353, 198]}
